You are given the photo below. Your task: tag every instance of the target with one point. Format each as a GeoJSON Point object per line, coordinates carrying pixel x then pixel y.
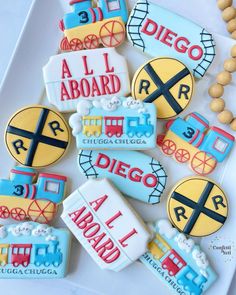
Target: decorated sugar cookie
{"type": "Point", "coordinates": [160, 32]}
{"type": "Point", "coordinates": [197, 206]}
{"type": "Point", "coordinates": [99, 73]}
{"type": "Point", "coordinates": [21, 197]}
{"type": "Point", "coordinates": [135, 174]}
{"type": "Point", "coordinates": [167, 83]}
{"type": "Point", "coordinates": [88, 26]}
{"type": "Point", "coordinates": [192, 140]}
{"type": "Point", "coordinates": [37, 136]}
{"type": "Point", "coordinates": [115, 123]}
{"type": "Point", "coordinates": [31, 250]}
{"type": "Point", "coordinates": [177, 261]}
{"type": "Point", "coordinates": [105, 224]}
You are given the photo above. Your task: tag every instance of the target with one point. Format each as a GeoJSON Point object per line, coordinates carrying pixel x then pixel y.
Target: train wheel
{"type": "Point", "coordinates": [42, 211]}
{"type": "Point", "coordinates": [112, 33]}
{"type": "Point", "coordinates": [25, 263]}
{"type": "Point", "coordinates": [203, 163]}
{"type": "Point", "coordinates": [76, 44]}
{"type": "Point", "coordinates": [18, 214]}
{"type": "Point", "coordinates": [168, 147]}
{"type": "Point", "coordinates": [182, 156]}
{"type": "Point", "coordinates": [4, 212]}
{"type": "Point", "coordinates": [139, 134]}
{"type": "Point", "coordinates": [160, 139]}
{"type": "Point", "coordinates": [118, 134]}
{"type": "Point", "coordinates": [65, 45]}
{"type": "Point", "coordinates": [91, 41]}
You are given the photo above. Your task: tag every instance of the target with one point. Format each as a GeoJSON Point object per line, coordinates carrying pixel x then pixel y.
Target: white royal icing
{"type": "Point", "coordinates": [201, 261]}
{"type": "Point", "coordinates": [3, 232]}
{"type": "Point", "coordinates": [166, 229]}
{"type": "Point", "coordinates": [184, 243]}
{"type": "Point", "coordinates": [23, 229]}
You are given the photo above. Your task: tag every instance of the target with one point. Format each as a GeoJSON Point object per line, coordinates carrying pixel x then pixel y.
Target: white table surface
{"type": "Point", "coordinates": [201, 11]}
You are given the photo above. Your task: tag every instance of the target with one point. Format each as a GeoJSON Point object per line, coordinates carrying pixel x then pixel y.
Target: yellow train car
{"type": "Point", "coordinates": [4, 254]}
{"type": "Point", "coordinates": [158, 247]}
{"type": "Point", "coordinates": [92, 125]}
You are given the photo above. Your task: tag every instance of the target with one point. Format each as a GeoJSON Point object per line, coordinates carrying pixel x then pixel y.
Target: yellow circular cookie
{"type": "Point", "coordinates": [197, 206]}
{"type": "Point", "coordinates": [37, 136]}
{"type": "Point", "coordinates": [167, 83]}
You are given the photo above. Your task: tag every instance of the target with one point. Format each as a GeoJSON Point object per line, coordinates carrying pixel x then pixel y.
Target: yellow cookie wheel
{"type": "Point", "coordinates": [37, 136]}
{"type": "Point", "coordinates": [197, 206]}
{"type": "Point", "coordinates": [167, 83]}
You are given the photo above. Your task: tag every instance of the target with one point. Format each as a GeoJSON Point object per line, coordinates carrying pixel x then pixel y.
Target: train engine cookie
{"type": "Point", "coordinates": [197, 206]}
{"type": "Point", "coordinates": [30, 250]}
{"type": "Point", "coordinates": [135, 174]}
{"type": "Point", "coordinates": [87, 74]}
{"type": "Point", "coordinates": [22, 198]}
{"type": "Point", "coordinates": [178, 261]}
{"type": "Point", "coordinates": [160, 32]}
{"type": "Point", "coordinates": [192, 140]}
{"type": "Point", "coordinates": [115, 123]}
{"type": "Point", "coordinates": [105, 224]}
{"type": "Point", "coordinates": [37, 136]}
{"type": "Point", "coordinates": [88, 26]}
{"type": "Point", "coordinates": [167, 83]}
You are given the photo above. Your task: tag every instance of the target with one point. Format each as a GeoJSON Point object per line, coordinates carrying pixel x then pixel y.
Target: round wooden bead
{"type": "Point", "coordinates": [216, 90]}
{"type": "Point", "coordinates": [233, 51]}
{"type": "Point", "coordinates": [230, 65]}
{"type": "Point", "coordinates": [228, 13]}
{"type": "Point", "coordinates": [231, 25]}
{"type": "Point", "coordinates": [233, 124]}
{"type": "Point", "coordinates": [233, 35]}
{"type": "Point", "coordinates": [224, 78]}
{"type": "Point", "coordinates": [222, 4]}
{"type": "Point", "coordinates": [225, 117]}
{"type": "Point", "coordinates": [217, 105]}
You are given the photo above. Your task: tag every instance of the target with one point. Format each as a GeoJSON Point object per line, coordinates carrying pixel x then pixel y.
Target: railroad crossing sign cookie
{"type": "Point", "coordinates": [197, 206]}
{"type": "Point", "coordinates": [167, 83]}
{"type": "Point", "coordinates": [158, 31]}
{"type": "Point", "coordinates": [37, 136]}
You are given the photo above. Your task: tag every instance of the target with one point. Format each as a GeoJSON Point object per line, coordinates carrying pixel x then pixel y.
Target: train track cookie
{"type": "Point", "coordinates": [167, 83]}
{"type": "Point", "coordinates": [158, 31]}
{"type": "Point", "coordinates": [192, 141]}
{"type": "Point", "coordinates": [21, 197]}
{"type": "Point", "coordinates": [88, 26]}
{"type": "Point", "coordinates": [30, 250]}
{"type": "Point", "coordinates": [105, 224]}
{"type": "Point", "coordinates": [143, 179]}
{"type": "Point", "coordinates": [177, 261]}
{"type": "Point", "coordinates": [197, 206]}
{"type": "Point", "coordinates": [115, 123]}
{"type": "Point", "coordinates": [99, 73]}
{"type": "Point", "coordinates": [37, 136]}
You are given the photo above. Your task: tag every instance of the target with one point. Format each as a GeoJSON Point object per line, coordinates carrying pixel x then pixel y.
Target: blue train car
{"type": "Point", "coordinates": [34, 200]}
{"type": "Point", "coordinates": [192, 140]}
{"type": "Point", "coordinates": [44, 257]}
{"type": "Point", "coordinates": [88, 26]}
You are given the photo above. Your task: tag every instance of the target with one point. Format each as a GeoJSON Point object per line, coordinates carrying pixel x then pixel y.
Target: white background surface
{"type": "Point", "coordinates": [83, 272]}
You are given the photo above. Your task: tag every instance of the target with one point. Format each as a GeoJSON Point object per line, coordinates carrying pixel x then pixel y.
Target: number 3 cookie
{"type": "Point", "coordinates": [197, 206]}
{"type": "Point", "coordinates": [37, 136]}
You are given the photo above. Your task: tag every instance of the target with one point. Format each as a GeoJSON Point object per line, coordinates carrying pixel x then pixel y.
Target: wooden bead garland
{"type": "Point", "coordinates": [228, 15]}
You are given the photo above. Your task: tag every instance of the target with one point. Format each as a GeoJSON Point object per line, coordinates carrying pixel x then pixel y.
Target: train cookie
{"type": "Point", "coordinates": [134, 174]}
{"type": "Point", "coordinates": [88, 26]}
{"type": "Point", "coordinates": [178, 261]}
{"type": "Point", "coordinates": [37, 136]}
{"type": "Point", "coordinates": [98, 73]}
{"type": "Point", "coordinates": [105, 224]}
{"type": "Point", "coordinates": [197, 206]}
{"type": "Point", "coordinates": [192, 140]}
{"type": "Point", "coordinates": [22, 198]}
{"type": "Point", "coordinates": [167, 83]}
{"type": "Point", "coordinates": [31, 250]}
{"type": "Point", "coordinates": [115, 123]}
{"type": "Point", "coordinates": [160, 32]}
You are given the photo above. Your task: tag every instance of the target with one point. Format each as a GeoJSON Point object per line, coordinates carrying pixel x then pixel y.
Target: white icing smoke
{"type": "Point", "coordinates": [166, 229]}
{"type": "Point", "coordinates": [201, 261]}
{"type": "Point", "coordinates": [107, 104]}
{"type": "Point", "coordinates": [134, 104]}
{"type": "Point", "coordinates": [184, 243]}
{"type": "Point", "coordinates": [42, 230]}
{"type": "Point", "coordinates": [23, 229]}
{"type": "Point", "coordinates": [50, 238]}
